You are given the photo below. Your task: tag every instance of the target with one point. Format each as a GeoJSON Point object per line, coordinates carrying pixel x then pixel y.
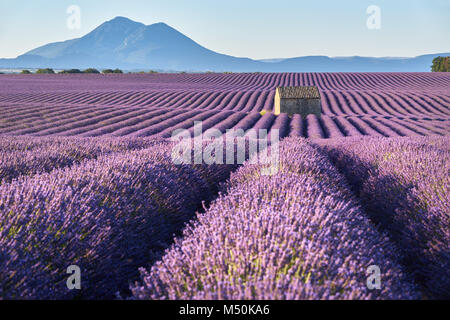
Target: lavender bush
{"type": "Point", "coordinates": [297, 234]}
{"type": "Point", "coordinates": [404, 185]}
{"type": "Point", "coordinates": [28, 155]}
{"type": "Point", "coordinates": [108, 216]}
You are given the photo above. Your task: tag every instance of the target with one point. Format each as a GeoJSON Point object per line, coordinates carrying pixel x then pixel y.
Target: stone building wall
{"type": "Point", "coordinates": [298, 106]}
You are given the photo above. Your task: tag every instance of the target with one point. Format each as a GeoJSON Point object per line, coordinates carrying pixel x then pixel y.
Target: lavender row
{"type": "Point", "coordinates": [345, 102]}
{"type": "Point", "coordinates": [108, 216]}
{"type": "Point", "coordinates": [149, 83]}
{"type": "Point", "coordinates": [141, 122]}
{"type": "Point", "coordinates": [404, 184]}
{"type": "Point", "coordinates": [296, 234]}
{"type": "Point", "coordinates": [29, 155]}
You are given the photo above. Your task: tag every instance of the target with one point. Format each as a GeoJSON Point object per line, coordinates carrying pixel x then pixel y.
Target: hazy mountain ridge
{"type": "Point", "coordinates": [127, 44]}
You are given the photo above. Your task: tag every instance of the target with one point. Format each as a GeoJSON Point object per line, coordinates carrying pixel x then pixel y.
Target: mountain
{"type": "Point", "coordinates": [126, 44]}
{"type": "Point", "coordinates": [357, 64]}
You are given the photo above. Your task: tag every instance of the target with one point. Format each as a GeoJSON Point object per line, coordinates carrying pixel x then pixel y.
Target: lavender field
{"type": "Point", "coordinates": [87, 178]}
{"type": "Point", "coordinates": [353, 104]}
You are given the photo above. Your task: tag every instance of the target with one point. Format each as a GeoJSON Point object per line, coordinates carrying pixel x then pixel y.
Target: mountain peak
{"type": "Point", "coordinates": [120, 19]}
{"type": "Point", "coordinates": [162, 24]}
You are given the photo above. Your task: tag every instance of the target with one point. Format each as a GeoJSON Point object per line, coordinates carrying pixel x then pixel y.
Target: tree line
{"type": "Point", "coordinates": [89, 70]}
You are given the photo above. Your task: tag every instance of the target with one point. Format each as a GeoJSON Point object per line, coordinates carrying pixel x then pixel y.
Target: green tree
{"type": "Point", "coordinates": [440, 64]}
{"type": "Point", "coordinates": [45, 71]}
{"type": "Point", "coordinates": [71, 71]}
{"type": "Point", "coordinates": [25, 71]}
{"type": "Point", "coordinates": [91, 70]}
{"type": "Point", "coordinates": [112, 71]}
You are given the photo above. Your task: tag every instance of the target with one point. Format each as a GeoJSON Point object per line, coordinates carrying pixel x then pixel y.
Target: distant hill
{"type": "Point", "coordinates": [126, 44]}
{"type": "Point", "coordinates": [355, 64]}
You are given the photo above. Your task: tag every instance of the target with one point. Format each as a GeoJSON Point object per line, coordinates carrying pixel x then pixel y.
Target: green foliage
{"type": "Point", "coordinates": [25, 71]}
{"type": "Point", "coordinates": [440, 64]}
{"type": "Point", "coordinates": [141, 72]}
{"type": "Point", "coordinates": [91, 70]}
{"type": "Point", "coordinates": [71, 71]}
{"type": "Point", "coordinates": [45, 71]}
{"type": "Point", "coordinates": [112, 71]}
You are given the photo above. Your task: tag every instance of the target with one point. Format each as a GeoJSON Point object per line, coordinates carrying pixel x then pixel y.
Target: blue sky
{"type": "Point", "coordinates": [246, 28]}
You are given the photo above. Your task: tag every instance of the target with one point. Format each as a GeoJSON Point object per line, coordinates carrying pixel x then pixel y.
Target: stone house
{"type": "Point", "coordinates": [297, 100]}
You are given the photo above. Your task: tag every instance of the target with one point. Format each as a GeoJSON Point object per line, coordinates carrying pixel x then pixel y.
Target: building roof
{"type": "Point", "coordinates": [298, 92]}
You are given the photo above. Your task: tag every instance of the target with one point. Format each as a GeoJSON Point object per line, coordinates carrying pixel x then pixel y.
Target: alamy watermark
{"type": "Point", "coordinates": [74, 19]}
{"type": "Point", "coordinates": [209, 147]}
{"type": "Point", "coordinates": [74, 280]}
{"type": "Point", "coordinates": [374, 277]}
{"type": "Point", "coordinates": [374, 20]}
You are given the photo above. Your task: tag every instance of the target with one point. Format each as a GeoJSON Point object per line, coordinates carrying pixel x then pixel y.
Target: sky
{"type": "Point", "coordinates": [256, 29]}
